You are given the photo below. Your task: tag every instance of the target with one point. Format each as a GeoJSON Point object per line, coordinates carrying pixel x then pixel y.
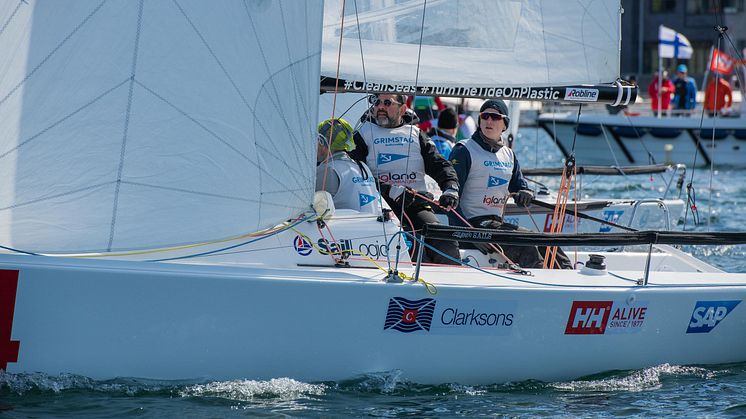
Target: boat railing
{"type": "Point", "coordinates": [661, 204]}
{"type": "Point", "coordinates": [522, 238]}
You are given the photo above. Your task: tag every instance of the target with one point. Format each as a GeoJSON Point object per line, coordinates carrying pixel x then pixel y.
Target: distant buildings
{"type": "Point", "coordinates": [695, 19]}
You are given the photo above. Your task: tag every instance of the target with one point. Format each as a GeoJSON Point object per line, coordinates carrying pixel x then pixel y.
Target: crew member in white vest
{"type": "Point", "coordinates": [400, 155]}
{"type": "Point", "coordinates": [488, 173]}
{"type": "Point", "coordinates": [350, 182]}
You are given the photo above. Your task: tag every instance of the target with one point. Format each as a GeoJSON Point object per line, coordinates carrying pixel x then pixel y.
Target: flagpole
{"type": "Point", "coordinates": [660, 80]}
{"type": "Point", "coordinates": [707, 69]}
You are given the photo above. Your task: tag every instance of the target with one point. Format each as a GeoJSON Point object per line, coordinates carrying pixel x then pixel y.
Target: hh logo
{"type": "Point", "coordinates": [708, 314]}
{"type": "Point", "coordinates": [384, 158]}
{"type": "Point", "coordinates": [588, 317]}
{"type": "Point", "coordinates": [302, 246]}
{"type": "Point", "coordinates": [8, 287]}
{"type": "Point", "coordinates": [366, 199]}
{"type": "Point", "coordinates": [496, 181]}
{"type": "Point", "coordinates": [409, 316]}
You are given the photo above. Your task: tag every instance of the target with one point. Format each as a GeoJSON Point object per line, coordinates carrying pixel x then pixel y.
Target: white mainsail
{"type": "Point", "coordinates": [141, 124]}
{"type": "Point", "coordinates": [472, 44]}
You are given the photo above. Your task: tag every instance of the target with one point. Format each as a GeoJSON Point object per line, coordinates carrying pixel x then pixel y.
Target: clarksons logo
{"type": "Point", "coordinates": [575, 94]}
{"type": "Point", "coordinates": [451, 317]}
{"type": "Point", "coordinates": [708, 314]}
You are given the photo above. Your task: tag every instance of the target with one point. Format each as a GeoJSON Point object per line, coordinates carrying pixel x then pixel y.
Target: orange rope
{"type": "Point", "coordinates": [558, 216]}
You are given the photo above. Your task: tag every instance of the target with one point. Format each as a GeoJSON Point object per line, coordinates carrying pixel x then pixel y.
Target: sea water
{"type": "Point", "coordinates": [664, 390]}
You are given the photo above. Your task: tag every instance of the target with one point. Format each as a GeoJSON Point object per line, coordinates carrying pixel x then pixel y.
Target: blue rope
{"type": "Point", "coordinates": [235, 245]}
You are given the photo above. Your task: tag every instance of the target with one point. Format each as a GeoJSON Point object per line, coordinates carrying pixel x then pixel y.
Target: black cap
{"type": "Point", "coordinates": [447, 119]}
{"type": "Point", "coordinates": [499, 106]}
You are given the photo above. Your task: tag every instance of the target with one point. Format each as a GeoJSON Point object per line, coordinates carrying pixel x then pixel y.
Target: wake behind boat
{"type": "Point", "coordinates": [141, 139]}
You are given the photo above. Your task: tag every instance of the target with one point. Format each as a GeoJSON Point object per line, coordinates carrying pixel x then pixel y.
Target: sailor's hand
{"type": "Point", "coordinates": [449, 199]}
{"type": "Point", "coordinates": [523, 197]}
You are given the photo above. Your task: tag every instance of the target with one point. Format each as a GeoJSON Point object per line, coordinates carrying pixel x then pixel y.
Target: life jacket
{"type": "Point", "coordinates": [357, 186]}
{"type": "Point", "coordinates": [486, 189]}
{"type": "Point", "coordinates": [394, 154]}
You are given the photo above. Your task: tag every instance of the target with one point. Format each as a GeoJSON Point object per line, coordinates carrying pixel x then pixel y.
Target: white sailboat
{"type": "Point", "coordinates": [602, 139]}
{"type": "Point", "coordinates": [142, 140]}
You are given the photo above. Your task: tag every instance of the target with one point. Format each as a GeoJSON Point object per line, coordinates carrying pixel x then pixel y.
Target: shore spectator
{"type": "Point", "coordinates": [716, 101]}
{"type": "Point", "coordinates": [685, 98]}
{"type": "Point", "coordinates": [667, 88]}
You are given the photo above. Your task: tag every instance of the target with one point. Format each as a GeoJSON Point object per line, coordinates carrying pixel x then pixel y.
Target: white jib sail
{"type": "Point", "coordinates": [141, 124]}
{"type": "Point", "coordinates": [475, 43]}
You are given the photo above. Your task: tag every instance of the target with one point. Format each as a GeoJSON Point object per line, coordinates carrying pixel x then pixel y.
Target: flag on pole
{"type": "Point", "coordinates": [721, 62]}
{"type": "Point", "coordinates": [672, 44]}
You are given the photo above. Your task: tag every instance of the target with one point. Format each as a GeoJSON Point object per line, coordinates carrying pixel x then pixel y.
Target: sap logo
{"type": "Point", "coordinates": [588, 317]}
{"type": "Point", "coordinates": [708, 314]}
{"type": "Point", "coordinates": [493, 201]}
{"type": "Point", "coordinates": [302, 246]}
{"type": "Point", "coordinates": [496, 181]}
{"type": "Point", "coordinates": [611, 216]}
{"type": "Point", "coordinates": [384, 158]}
{"type": "Point", "coordinates": [581, 95]}
{"type": "Point", "coordinates": [398, 178]}
{"type": "Point", "coordinates": [366, 199]}
{"type": "Point", "coordinates": [409, 316]}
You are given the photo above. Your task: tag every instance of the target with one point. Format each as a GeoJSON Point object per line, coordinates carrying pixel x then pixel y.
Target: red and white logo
{"type": "Point", "coordinates": [8, 287]}
{"type": "Point", "coordinates": [588, 317]}
{"type": "Point", "coordinates": [606, 317]}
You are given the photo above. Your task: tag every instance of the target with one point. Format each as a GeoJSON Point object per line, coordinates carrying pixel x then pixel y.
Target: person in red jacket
{"type": "Point", "coordinates": [724, 96]}
{"type": "Point", "coordinates": [667, 88]}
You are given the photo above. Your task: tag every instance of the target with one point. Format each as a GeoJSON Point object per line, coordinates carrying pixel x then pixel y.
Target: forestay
{"type": "Point", "coordinates": [139, 124]}
{"type": "Point", "coordinates": [473, 47]}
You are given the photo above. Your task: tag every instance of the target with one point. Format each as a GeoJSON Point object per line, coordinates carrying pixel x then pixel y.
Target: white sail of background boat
{"type": "Point", "coordinates": [169, 128]}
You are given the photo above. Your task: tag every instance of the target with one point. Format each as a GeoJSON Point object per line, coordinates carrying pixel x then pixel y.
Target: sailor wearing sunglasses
{"type": "Point", "coordinates": [400, 155]}
{"type": "Point", "coordinates": [488, 173]}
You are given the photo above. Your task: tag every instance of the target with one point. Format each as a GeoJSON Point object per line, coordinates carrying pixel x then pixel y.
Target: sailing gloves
{"type": "Point", "coordinates": [449, 199]}
{"type": "Point", "coordinates": [523, 197]}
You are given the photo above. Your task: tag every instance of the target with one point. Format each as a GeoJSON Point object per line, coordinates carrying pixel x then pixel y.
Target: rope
{"type": "Point", "coordinates": [428, 286]}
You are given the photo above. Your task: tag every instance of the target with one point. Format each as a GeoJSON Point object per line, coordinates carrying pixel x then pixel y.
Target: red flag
{"type": "Point", "coordinates": [721, 62]}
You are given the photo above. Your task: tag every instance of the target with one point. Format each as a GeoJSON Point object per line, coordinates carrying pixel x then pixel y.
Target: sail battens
{"type": "Point", "coordinates": [214, 130]}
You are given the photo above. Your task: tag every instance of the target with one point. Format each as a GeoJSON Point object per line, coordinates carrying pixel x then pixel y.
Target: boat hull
{"type": "Point", "coordinates": [106, 319]}
{"type": "Point", "coordinates": [614, 140]}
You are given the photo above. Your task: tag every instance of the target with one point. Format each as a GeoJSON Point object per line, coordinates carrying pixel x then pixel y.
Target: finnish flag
{"type": "Point", "coordinates": [672, 44]}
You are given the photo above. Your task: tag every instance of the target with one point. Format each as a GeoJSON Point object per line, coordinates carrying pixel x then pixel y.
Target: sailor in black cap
{"type": "Point", "coordinates": [488, 174]}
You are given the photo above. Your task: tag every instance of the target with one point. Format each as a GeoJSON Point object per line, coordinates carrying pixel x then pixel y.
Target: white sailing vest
{"type": "Point", "coordinates": [394, 154]}
{"type": "Point", "coordinates": [356, 190]}
{"type": "Point", "coordinates": [486, 189]}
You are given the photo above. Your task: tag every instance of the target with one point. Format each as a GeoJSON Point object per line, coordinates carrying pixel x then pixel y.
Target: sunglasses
{"type": "Point", "coordinates": [386, 102]}
{"type": "Point", "coordinates": [491, 115]}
